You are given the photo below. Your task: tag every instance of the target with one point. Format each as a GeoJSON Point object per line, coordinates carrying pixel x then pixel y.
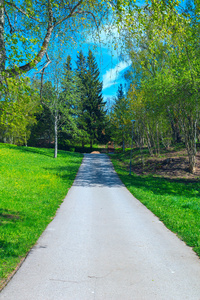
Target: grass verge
{"type": "Point", "coordinates": [32, 186]}
{"type": "Point", "coordinates": [175, 201]}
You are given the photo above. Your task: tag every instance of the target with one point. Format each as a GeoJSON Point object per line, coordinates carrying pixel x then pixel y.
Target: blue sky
{"type": "Point", "coordinates": [111, 67]}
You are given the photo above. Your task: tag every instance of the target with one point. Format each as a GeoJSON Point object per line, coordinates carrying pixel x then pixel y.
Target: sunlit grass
{"type": "Point", "coordinates": [32, 186]}
{"type": "Point", "coordinates": [175, 201]}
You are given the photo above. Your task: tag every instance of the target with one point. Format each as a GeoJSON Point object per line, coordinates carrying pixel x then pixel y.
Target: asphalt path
{"type": "Point", "coordinates": [104, 244]}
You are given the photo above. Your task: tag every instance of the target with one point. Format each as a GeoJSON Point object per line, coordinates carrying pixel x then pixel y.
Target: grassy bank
{"type": "Point", "coordinates": [32, 186]}
{"type": "Point", "coordinates": [175, 201]}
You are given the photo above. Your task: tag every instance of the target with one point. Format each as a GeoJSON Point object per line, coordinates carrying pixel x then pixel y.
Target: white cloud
{"type": "Point", "coordinates": [111, 75]}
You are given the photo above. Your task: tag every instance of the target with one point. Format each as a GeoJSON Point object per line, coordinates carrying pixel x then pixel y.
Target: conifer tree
{"type": "Point", "coordinates": [70, 97]}
{"type": "Point", "coordinates": [93, 112]}
{"type": "Point", "coordinates": [121, 116]}
{"type": "Point", "coordinates": [81, 74]}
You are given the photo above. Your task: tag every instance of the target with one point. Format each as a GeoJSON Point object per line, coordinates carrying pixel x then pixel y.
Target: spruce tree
{"type": "Point", "coordinates": [121, 116]}
{"type": "Point", "coordinates": [81, 75]}
{"type": "Point", "coordinates": [93, 112]}
{"type": "Point", "coordinates": [70, 97]}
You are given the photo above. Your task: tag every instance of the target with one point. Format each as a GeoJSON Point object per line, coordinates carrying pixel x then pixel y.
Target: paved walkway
{"type": "Point", "coordinates": [105, 245]}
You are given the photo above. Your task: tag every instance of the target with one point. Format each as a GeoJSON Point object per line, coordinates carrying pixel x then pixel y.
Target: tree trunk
{"type": "Point", "coordinates": [174, 126]}
{"type": "Point", "coordinates": [189, 129]}
{"type": "Point", "coordinates": [140, 146]}
{"type": "Point", "coordinates": [2, 42]}
{"type": "Point", "coordinates": [56, 136]}
{"type": "Point", "coordinates": [25, 140]}
{"type": "Point", "coordinates": [192, 162]}
{"type": "Point", "coordinates": [91, 143]}
{"type": "Point", "coordinates": [158, 140]}
{"type": "Point", "coordinates": [148, 140]}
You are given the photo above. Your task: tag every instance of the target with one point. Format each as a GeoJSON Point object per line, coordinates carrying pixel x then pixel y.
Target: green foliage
{"type": "Point", "coordinates": [42, 133]}
{"type": "Point", "coordinates": [32, 187]}
{"type": "Point", "coordinates": [73, 107]}
{"type": "Point", "coordinates": [161, 39]}
{"type": "Point", "coordinates": [28, 22]}
{"type": "Point", "coordinates": [70, 96]}
{"type": "Point", "coordinates": [18, 111]}
{"type": "Point", "coordinates": [120, 118]}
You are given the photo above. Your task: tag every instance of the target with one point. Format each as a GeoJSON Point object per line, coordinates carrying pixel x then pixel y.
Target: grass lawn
{"type": "Point", "coordinates": [175, 201]}
{"type": "Point", "coordinates": [32, 186]}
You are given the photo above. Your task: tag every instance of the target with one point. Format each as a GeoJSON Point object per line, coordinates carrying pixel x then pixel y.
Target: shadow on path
{"type": "Point", "coordinates": [97, 170]}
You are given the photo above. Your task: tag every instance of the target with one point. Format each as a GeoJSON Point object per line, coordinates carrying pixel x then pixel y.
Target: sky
{"type": "Point", "coordinates": [111, 67]}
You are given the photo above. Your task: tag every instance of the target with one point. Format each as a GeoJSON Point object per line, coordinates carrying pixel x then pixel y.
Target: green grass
{"type": "Point", "coordinates": [176, 202]}
{"type": "Point", "coordinates": [32, 186]}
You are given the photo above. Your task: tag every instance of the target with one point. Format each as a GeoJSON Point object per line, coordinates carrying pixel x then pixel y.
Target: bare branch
{"type": "Point", "coordinates": [42, 76]}
{"type": "Point", "coordinates": [72, 12]}
{"type": "Point", "coordinates": [41, 86]}
{"type": "Point", "coordinates": [45, 65]}
{"type": "Point", "coordinates": [89, 13]}
{"type": "Point", "coordinates": [11, 27]}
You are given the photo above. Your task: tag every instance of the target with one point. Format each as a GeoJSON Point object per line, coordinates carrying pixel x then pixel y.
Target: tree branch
{"type": "Point", "coordinates": [42, 76]}
{"type": "Point", "coordinates": [45, 66]}
{"type": "Point", "coordinates": [11, 27]}
{"type": "Point", "coordinates": [72, 12]}
{"type": "Point", "coordinates": [22, 11]}
{"type": "Point", "coordinates": [39, 56]}
{"type": "Point", "coordinates": [89, 13]}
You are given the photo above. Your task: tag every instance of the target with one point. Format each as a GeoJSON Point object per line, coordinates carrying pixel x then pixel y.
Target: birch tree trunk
{"type": "Point", "coordinates": [123, 142]}
{"type": "Point", "coordinates": [56, 135]}
{"type": "Point", "coordinates": [189, 127]}
{"type": "Point", "coordinates": [148, 139]}
{"type": "Point", "coordinates": [158, 140]}
{"type": "Point", "coordinates": [2, 42]}
{"type": "Point", "coordinates": [140, 145]}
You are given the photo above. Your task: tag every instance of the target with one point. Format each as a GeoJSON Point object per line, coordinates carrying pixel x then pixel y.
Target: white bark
{"type": "Point", "coordinates": [56, 136]}
{"type": "Point", "coordinates": [2, 42]}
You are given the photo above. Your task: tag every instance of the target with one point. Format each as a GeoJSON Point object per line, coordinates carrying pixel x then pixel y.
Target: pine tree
{"type": "Point", "coordinates": [81, 75]}
{"type": "Point", "coordinates": [93, 112]}
{"type": "Point", "coordinates": [70, 96]}
{"type": "Point", "coordinates": [121, 116]}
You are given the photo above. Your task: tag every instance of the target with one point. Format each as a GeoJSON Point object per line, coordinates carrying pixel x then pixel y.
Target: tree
{"type": "Point", "coordinates": [81, 74]}
{"type": "Point", "coordinates": [29, 28]}
{"type": "Point", "coordinates": [42, 132]}
{"type": "Point", "coordinates": [92, 118]}
{"type": "Point", "coordinates": [26, 26]}
{"type": "Point", "coordinates": [18, 111]}
{"type": "Point", "coordinates": [121, 117]}
{"type": "Point", "coordinates": [162, 42]}
{"type": "Point", "coordinates": [60, 100]}
{"type": "Point", "coordinates": [94, 104]}
{"type": "Point", "coordinates": [31, 24]}
{"type": "Point", "coordinates": [71, 97]}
